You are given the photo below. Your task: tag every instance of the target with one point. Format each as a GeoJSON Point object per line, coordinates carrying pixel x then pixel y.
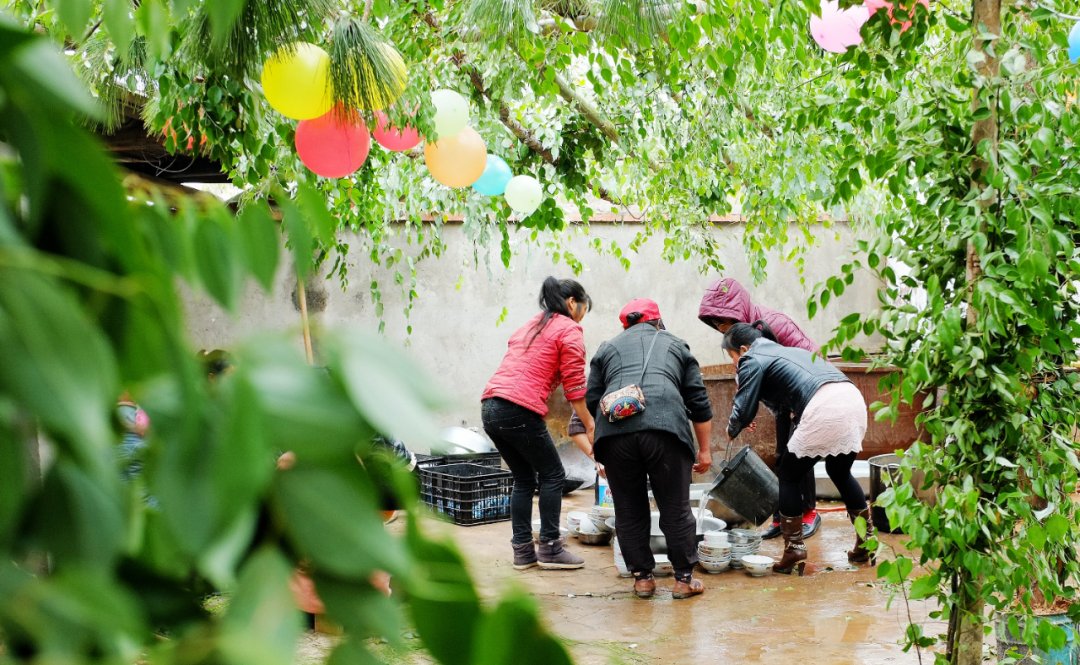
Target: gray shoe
{"type": "Point", "coordinates": [552, 556]}
{"type": "Point", "coordinates": [524, 555]}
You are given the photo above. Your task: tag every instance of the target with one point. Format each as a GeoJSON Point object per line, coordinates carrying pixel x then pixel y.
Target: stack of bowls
{"type": "Point", "coordinates": [574, 518]}
{"type": "Point", "coordinates": [589, 534]}
{"type": "Point", "coordinates": [743, 542]}
{"type": "Point", "coordinates": [714, 552]}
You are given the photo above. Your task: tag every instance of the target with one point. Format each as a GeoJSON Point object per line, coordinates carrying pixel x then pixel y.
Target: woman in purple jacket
{"type": "Point", "coordinates": [725, 303]}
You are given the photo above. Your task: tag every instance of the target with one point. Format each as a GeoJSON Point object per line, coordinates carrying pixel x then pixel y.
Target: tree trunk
{"type": "Point", "coordinates": [966, 629]}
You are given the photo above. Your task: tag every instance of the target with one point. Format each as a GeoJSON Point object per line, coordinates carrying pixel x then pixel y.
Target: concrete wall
{"type": "Point", "coordinates": [456, 335]}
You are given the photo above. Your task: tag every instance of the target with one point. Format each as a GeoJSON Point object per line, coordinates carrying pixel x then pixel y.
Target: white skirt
{"type": "Point", "coordinates": [833, 423]}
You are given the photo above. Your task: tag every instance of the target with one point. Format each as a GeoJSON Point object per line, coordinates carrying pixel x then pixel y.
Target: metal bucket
{"type": "Point", "coordinates": [747, 487]}
{"type": "Point", "coordinates": [884, 473]}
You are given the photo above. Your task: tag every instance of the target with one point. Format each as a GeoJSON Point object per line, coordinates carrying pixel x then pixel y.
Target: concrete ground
{"type": "Point", "coordinates": [835, 614]}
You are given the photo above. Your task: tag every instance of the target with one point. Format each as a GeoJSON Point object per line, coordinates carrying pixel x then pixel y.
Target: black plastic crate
{"type": "Point", "coordinates": [468, 494]}
{"type": "Point", "coordinates": [427, 461]}
{"type": "Point", "coordinates": [493, 460]}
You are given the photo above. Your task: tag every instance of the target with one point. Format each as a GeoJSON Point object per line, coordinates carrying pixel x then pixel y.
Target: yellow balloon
{"type": "Point", "coordinates": [386, 95]}
{"type": "Point", "coordinates": [296, 81]}
{"type": "Point", "coordinates": [458, 160]}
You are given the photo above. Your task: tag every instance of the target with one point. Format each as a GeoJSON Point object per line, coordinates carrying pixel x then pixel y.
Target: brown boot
{"type": "Point", "coordinates": [644, 585]}
{"type": "Point", "coordinates": [687, 588]}
{"type": "Point", "coordinates": [794, 559]}
{"type": "Point", "coordinates": [860, 554]}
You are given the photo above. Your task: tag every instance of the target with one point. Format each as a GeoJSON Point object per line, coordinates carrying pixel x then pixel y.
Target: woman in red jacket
{"type": "Point", "coordinates": [547, 350]}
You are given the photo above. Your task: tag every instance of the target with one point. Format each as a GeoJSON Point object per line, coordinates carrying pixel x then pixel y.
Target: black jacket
{"type": "Point", "coordinates": [784, 378]}
{"type": "Point", "coordinates": [674, 391]}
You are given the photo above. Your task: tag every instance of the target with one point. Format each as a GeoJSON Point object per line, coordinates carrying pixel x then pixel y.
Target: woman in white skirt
{"type": "Point", "coordinates": [830, 421]}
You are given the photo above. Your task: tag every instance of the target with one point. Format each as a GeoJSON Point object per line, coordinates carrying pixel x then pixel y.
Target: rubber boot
{"type": "Point", "coordinates": [552, 556]}
{"type": "Point", "coordinates": [794, 559]}
{"type": "Point", "coordinates": [860, 554]}
{"type": "Point", "coordinates": [524, 555]}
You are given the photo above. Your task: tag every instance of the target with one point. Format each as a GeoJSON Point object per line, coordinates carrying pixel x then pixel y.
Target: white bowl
{"type": "Point", "coordinates": [609, 524]}
{"type": "Point", "coordinates": [574, 520]}
{"type": "Point", "coordinates": [588, 526]}
{"type": "Point", "coordinates": [757, 564]}
{"type": "Point", "coordinates": [710, 552]}
{"type": "Point", "coordinates": [714, 566]}
{"type": "Point", "coordinates": [716, 537]}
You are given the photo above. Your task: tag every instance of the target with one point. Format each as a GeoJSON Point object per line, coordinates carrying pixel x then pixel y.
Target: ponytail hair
{"type": "Point", "coordinates": [553, 296]}
{"type": "Point", "coordinates": [766, 331]}
{"type": "Point", "coordinates": [743, 334]}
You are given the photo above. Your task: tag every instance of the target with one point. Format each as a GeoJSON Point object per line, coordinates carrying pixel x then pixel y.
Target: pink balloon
{"type": "Point", "coordinates": [332, 146]}
{"type": "Point", "coordinates": [393, 138]}
{"type": "Point", "coordinates": [837, 29]}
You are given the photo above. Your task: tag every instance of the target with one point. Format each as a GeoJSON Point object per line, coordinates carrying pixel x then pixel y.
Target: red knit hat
{"type": "Point", "coordinates": [649, 310]}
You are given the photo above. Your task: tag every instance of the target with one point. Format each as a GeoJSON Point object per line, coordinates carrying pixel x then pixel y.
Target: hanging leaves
{"type": "Point", "coordinates": [366, 71]}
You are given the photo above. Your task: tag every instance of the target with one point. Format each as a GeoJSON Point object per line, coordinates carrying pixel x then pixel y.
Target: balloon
{"type": "Point", "coordinates": [837, 29]}
{"type": "Point", "coordinates": [393, 138]}
{"type": "Point", "coordinates": [1074, 42]}
{"type": "Point", "coordinates": [296, 81]}
{"type": "Point", "coordinates": [874, 5]}
{"type": "Point", "coordinates": [458, 160]}
{"type": "Point", "coordinates": [332, 146]}
{"type": "Point", "coordinates": [494, 178]}
{"type": "Point", "coordinates": [524, 194]}
{"type": "Point", "coordinates": [451, 113]}
{"type": "Point", "coordinates": [384, 95]}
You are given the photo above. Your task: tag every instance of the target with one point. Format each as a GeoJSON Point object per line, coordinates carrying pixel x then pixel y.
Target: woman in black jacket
{"type": "Point", "coordinates": [830, 421]}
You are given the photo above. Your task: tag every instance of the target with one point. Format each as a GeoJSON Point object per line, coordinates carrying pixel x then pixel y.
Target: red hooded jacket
{"type": "Point", "coordinates": [533, 366]}
{"type": "Point", "coordinates": [727, 299]}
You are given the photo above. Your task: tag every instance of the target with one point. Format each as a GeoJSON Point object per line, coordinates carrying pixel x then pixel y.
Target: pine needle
{"type": "Point", "coordinates": [263, 27]}
{"type": "Point", "coordinates": [364, 67]}
{"type": "Point", "coordinates": [638, 23]}
{"type": "Point", "coordinates": [502, 20]}
{"type": "Point", "coordinates": [569, 8]}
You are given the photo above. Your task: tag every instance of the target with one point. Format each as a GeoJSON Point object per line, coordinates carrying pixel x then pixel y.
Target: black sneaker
{"type": "Point", "coordinates": [809, 529]}
{"type": "Point", "coordinates": [772, 532]}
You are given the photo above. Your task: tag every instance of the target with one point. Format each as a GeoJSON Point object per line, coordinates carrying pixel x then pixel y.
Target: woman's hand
{"type": "Point", "coordinates": [601, 470]}
{"type": "Point", "coordinates": [704, 461]}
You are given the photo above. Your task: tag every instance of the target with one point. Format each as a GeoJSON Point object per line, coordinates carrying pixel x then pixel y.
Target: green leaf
{"type": "Point", "coordinates": [924, 587]}
{"type": "Point", "coordinates": [360, 609]}
{"type": "Point", "coordinates": [443, 602]}
{"type": "Point", "coordinates": [118, 20]}
{"type": "Point", "coordinates": [262, 624]}
{"type": "Point", "coordinates": [75, 14]}
{"type": "Point", "coordinates": [301, 240]}
{"type": "Point", "coordinates": [386, 387]}
{"type": "Point", "coordinates": [79, 518]}
{"type": "Point", "coordinates": [59, 365]}
{"type": "Point", "coordinates": [1056, 527]}
{"type": "Point", "coordinates": [18, 436]}
{"type": "Point", "coordinates": [216, 259]}
{"type": "Point", "coordinates": [322, 224]}
{"type": "Point", "coordinates": [260, 240]}
{"type": "Point", "coordinates": [1036, 537]}
{"type": "Point", "coordinates": [332, 516]}
{"type": "Point", "coordinates": [512, 633]}
{"type": "Point", "coordinates": [152, 17]}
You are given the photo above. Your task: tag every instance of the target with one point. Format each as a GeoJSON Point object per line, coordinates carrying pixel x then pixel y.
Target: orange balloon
{"type": "Point", "coordinates": [458, 160]}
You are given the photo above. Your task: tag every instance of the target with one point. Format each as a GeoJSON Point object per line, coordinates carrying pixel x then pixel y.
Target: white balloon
{"type": "Point", "coordinates": [524, 194]}
{"type": "Point", "coordinates": [451, 112]}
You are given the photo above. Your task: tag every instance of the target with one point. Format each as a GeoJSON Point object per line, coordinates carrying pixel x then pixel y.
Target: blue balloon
{"type": "Point", "coordinates": [493, 180]}
{"type": "Point", "coordinates": [1074, 42]}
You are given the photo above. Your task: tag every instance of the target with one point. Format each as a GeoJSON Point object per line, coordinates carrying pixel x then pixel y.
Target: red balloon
{"type": "Point", "coordinates": [331, 145]}
{"type": "Point", "coordinates": [393, 138]}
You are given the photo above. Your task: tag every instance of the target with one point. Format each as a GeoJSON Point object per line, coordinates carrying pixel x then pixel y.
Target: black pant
{"type": "Point", "coordinates": [792, 470]}
{"type": "Point", "coordinates": [808, 489]}
{"type": "Point", "coordinates": [666, 462]}
{"type": "Point", "coordinates": [522, 439]}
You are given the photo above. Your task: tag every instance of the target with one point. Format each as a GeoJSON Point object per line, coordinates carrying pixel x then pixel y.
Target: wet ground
{"type": "Point", "coordinates": [835, 615]}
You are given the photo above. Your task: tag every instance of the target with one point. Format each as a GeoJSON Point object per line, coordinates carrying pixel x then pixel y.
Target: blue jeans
{"type": "Point", "coordinates": [522, 439]}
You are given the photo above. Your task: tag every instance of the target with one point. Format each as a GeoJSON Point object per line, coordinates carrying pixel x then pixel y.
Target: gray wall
{"type": "Point", "coordinates": [456, 336]}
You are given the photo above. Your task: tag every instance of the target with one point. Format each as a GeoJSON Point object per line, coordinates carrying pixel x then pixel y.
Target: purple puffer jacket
{"type": "Point", "coordinates": [727, 299]}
